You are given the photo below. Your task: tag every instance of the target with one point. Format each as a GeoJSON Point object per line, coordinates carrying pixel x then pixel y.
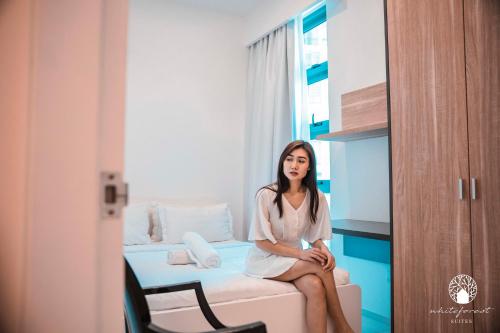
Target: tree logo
{"type": "Point", "coordinates": [462, 289]}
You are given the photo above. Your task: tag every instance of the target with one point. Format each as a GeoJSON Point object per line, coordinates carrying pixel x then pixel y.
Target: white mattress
{"type": "Point", "coordinates": [227, 283]}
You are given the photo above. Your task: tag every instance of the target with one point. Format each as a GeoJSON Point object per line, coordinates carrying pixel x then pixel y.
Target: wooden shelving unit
{"type": "Point", "coordinates": [364, 115]}
{"type": "Point", "coordinates": [366, 229]}
{"type": "Point", "coordinates": [359, 133]}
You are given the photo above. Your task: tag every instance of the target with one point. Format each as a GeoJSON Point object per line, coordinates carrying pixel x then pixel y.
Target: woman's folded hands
{"type": "Point", "coordinates": [313, 255]}
{"type": "Point", "coordinates": [321, 256]}
{"type": "Point", "coordinates": [330, 262]}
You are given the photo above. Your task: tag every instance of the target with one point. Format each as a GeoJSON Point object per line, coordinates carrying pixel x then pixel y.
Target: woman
{"type": "Point", "coordinates": [286, 212]}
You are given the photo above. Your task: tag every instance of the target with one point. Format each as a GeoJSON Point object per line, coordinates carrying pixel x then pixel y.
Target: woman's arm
{"type": "Point", "coordinates": [319, 244]}
{"type": "Point", "coordinates": [313, 255]}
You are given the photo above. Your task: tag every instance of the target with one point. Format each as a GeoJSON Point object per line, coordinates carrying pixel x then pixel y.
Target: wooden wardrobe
{"type": "Point", "coordinates": [444, 72]}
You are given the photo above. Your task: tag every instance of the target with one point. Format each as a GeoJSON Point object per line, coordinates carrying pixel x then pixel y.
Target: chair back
{"type": "Point", "coordinates": [138, 319]}
{"type": "Point", "coordinates": [136, 307]}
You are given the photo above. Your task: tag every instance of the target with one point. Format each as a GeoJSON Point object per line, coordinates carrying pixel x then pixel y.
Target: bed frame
{"type": "Point", "coordinates": [280, 313]}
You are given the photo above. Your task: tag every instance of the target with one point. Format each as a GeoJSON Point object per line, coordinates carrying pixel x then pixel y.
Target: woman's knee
{"type": "Point", "coordinates": [325, 277]}
{"type": "Point", "coordinates": [315, 288]}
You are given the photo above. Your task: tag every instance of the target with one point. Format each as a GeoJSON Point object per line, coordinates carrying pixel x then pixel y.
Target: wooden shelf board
{"type": "Point", "coordinates": [367, 229]}
{"type": "Point", "coordinates": [359, 133]}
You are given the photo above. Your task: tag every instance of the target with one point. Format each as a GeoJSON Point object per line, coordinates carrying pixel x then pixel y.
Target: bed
{"type": "Point", "coordinates": [234, 297]}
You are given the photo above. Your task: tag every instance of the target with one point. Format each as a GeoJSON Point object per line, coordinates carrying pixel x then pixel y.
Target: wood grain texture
{"type": "Point", "coordinates": [482, 43]}
{"type": "Point", "coordinates": [431, 226]}
{"type": "Point", "coordinates": [363, 132]}
{"type": "Point", "coordinates": [364, 106]}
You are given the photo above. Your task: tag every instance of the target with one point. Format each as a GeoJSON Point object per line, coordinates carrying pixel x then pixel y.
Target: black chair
{"type": "Point", "coordinates": [138, 319]}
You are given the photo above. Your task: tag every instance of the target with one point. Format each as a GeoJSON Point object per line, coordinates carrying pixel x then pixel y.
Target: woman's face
{"type": "Point", "coordinates": [296, 164]}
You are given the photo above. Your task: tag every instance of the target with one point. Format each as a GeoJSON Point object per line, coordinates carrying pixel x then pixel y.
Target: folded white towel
{"type": "Point", "coordinates": [179, 257]}
{"type": "Point", "coordinates": [201, 251]}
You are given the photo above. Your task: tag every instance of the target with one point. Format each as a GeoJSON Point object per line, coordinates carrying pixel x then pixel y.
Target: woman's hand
{"type": "Point", "coordinates": [314, 255]}
{"type": "Point", "coordinates": [330, 262]}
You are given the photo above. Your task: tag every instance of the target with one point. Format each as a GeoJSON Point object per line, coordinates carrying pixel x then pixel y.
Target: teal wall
{"type": "Point", "coordinates": [373, 277]}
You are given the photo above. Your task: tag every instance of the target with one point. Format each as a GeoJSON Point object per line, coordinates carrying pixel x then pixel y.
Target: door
{"type": "Point", "coordinates": [67, 109]}
{"type": "Point", "coordinates": [111, 136]}
{"type": "Point", "coordinates": [482, 45]}
{"type": "Point", "coordinates": [431, 218]}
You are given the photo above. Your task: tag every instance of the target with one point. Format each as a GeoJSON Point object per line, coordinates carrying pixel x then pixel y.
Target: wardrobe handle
{"type": "Point", "coordinates": [460, 189]}
{"type": "Point", "coordinates": [473, 188]}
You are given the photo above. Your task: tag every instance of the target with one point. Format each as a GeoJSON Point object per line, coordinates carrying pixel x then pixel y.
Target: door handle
{"type": "Point", "coordinates": [473, 188]}
{"type": "Point", "coordinates": [460, 189]}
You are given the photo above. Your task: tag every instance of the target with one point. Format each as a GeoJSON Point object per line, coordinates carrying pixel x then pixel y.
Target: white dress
{"type": "Point", "coordinates": [290, 229]}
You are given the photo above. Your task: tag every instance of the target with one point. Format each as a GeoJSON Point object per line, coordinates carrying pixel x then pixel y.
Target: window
{"type": "Point", "coordinates": [315, 62]}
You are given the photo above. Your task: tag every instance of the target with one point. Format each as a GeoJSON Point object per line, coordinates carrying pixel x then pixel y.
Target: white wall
{"type": "Point", "coordinates": [356, 54]}
{"type": "Point", "coordinates": [186, 101]}
{"type": "Point", "coordinates": [268, 15]}
{"type": "Point", "coordinates": [185, 104]}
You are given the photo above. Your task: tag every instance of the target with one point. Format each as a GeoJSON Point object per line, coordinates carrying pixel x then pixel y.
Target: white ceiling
{"type": "Point", "coordinates": [235, 7]}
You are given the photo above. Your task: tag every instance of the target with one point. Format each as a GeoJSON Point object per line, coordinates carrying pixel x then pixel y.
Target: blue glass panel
{"type": "Point", "coordinates": [317, 73]}
{"type": "Point", "coordinates": [314, 19]}
{"type": "Point", "coordinates": [324, 185]}
{"type": "Point", "coordinates": [321, 127]}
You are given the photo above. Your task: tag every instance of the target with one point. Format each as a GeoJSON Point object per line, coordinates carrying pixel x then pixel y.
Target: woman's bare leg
{"type": "Point", "coordinates": [312, 287]}
{"type": "Point", "coordinates": [301, 268]}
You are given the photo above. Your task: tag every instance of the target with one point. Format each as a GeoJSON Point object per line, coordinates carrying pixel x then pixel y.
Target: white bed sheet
{"type": "Point", "coordinates": [227, 283]}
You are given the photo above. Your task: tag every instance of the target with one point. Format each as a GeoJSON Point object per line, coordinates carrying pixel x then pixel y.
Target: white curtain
{"type": "Point", "coordinates": [298, 79]}
{"type": "Point", "coordinates": [269, 110]}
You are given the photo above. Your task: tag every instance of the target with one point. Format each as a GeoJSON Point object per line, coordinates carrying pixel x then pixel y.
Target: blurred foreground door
{"type": "Point", "coordinates": [62, 94]}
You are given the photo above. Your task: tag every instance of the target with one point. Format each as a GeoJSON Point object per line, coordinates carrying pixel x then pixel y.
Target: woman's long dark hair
{"type": "Point", "coordinates": [309, 181]}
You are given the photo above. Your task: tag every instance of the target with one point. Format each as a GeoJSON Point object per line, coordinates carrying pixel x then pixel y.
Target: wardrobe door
{"type": "Point", "coordinates": [431, 224]}
{"type": "Point", "coordinates": [482, 44]}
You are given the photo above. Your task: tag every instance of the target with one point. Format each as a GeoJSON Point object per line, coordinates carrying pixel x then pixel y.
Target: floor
{"type": "Point", "coordinates": [373, 323]}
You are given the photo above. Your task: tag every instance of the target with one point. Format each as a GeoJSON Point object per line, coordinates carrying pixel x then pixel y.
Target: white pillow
{"type": "Point", "coordinates": [213, 222]}
{"type": "Point", "coordinates": [136, 226]}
